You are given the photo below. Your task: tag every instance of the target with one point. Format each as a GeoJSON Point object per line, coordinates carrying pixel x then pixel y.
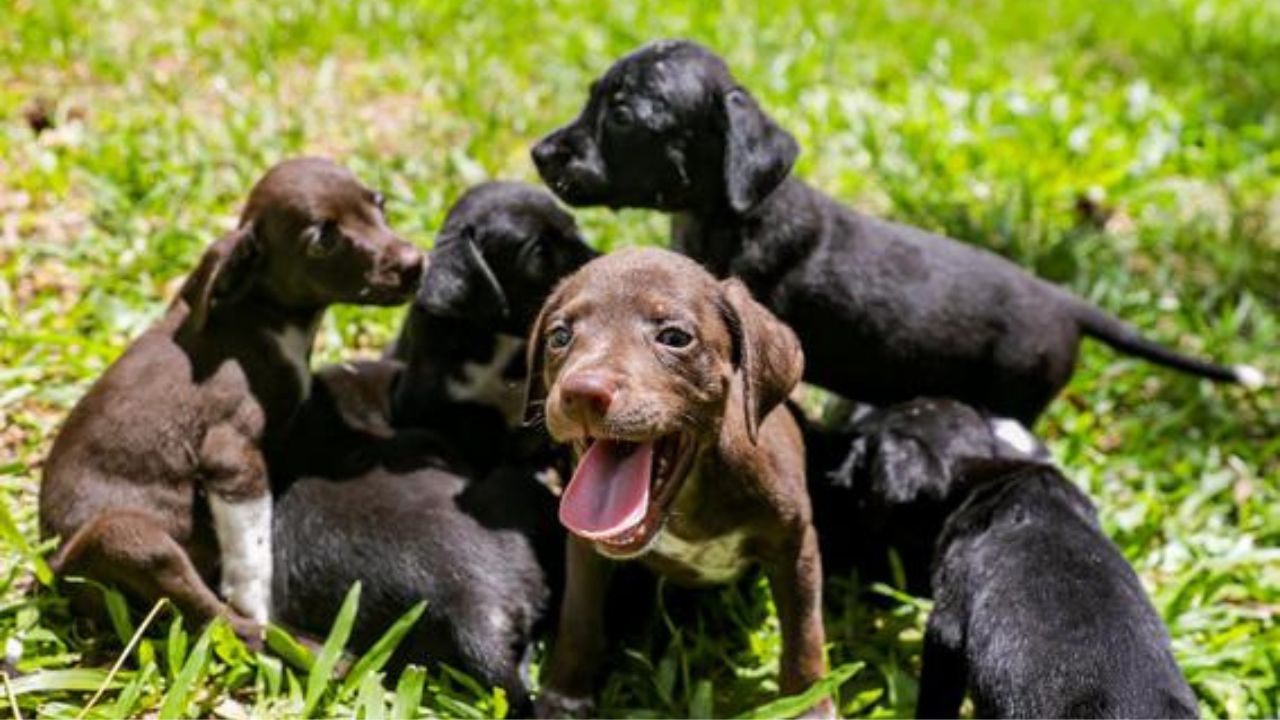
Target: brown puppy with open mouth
{"type": "Point", "coordinates": [669, 385]}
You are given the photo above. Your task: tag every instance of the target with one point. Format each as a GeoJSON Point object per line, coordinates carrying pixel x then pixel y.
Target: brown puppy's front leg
{"type": "Point", "coordinates": [240, 503]}
{"type": "Point", "coordinates": [569, 687]}
{"type": "Point", "coordinates": [795, 579]}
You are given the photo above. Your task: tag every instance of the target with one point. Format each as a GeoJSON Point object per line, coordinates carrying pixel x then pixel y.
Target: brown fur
{"type": "Point", "coordinates": [191, 407]}
{"type": "Point", "coordinates": [617, 379]}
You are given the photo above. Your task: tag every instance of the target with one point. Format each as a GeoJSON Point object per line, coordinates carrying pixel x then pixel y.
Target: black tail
{"type": "Point", "coordinates": [1123, 337]}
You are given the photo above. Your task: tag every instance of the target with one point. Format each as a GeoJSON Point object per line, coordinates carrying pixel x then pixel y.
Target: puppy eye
{"type": "Point", "coordinates": [379, 201]}
{"type": "Point", "coordinates": [322, 239]}
{"type": "Point", "coordinates": [559, 338]}
{"type": "Point", "coordinates": [674, 338]}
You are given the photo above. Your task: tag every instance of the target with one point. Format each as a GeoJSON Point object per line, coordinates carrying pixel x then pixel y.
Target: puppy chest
{"type": "Point", "coordinates": [711, 561]}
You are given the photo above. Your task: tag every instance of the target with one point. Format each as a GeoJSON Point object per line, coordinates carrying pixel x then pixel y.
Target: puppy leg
{"type": "Point", "coordinates": [795, 579]}
{"type": "Point", "coordinates": [943, 674]}
{"type": "Point", "coordinates": [244, 540]}
{"type": "Point", "coordinates": [240, 503]}
{"type": "Point", "coordinates": [579, 646]}
{"type": "Point", "coordinates": [132, 550]}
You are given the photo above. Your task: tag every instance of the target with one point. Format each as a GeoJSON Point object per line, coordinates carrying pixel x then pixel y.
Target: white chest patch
{"type": "Point", "coordinates": [244, 542]}
{"type": "Point", "coordinates": [294, 343]}
{"type": "Point", "coordinates": [715, 561]}
{"type": "Point", "coordinates": [484, 382]}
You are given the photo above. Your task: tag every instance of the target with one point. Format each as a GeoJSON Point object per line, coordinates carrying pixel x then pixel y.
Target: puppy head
{"type": "Point", "coordinates": [912, 453]}
{"type": "Point", "coordinates": [642, 360]}
{"type": "Point", "coordinates": [502, 249]}
{"type": "Point", "coordinates": [667, 128]}
{"type": "Point", "coordinates": [310, 235]}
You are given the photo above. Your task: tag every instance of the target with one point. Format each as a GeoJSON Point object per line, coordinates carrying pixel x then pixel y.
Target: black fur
{"type": "Point", "coordinates": [1036, 612]}
{"type": "Point", "coordinates": [395, 480]}
{"type": "Point", "coordinates": [885, 312]}
{"type": "Point", "coordinates": [502, 249]}
{"type": "Point", "coordinates": [387, 511]}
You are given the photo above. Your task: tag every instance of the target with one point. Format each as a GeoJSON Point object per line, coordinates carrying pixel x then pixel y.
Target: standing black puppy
{"type": "Point", "coordinates": [885, 312]}
{"type": "Point", "coordinates": [1036, 612]}
{"type": "Point", "coordinates": [503, 247]}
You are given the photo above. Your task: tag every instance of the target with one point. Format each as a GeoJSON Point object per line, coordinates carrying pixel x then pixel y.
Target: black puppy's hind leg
{"type": "Point", "coordinates": [943, 671]}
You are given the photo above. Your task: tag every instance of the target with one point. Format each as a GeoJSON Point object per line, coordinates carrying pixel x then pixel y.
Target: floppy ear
{"type": "Point", "coordinates": [765, 350]}
{"type": "Point", "coordinates": [535, 388]}
{"type": "Point", "coordinates": [459, 283]}
{"type": "Point", "coordinates": [758, 154]}
{"type": "Point", "coordinates": [225, 273]}
{"type": "Point", "coordinates": [904, 468]}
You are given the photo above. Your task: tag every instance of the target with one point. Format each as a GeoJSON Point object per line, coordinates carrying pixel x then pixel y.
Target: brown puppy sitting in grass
{"type": "Point", "coordinates": [669, 385]}
{"type": "Point", "coordinates": [157, 481]}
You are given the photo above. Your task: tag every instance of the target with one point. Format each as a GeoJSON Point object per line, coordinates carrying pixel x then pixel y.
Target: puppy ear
{"type": "Point", "coordinates": [758, 154]}
{"type": "Point", "coordinates": [764, 349]}
{"type": "Point", "coordinates": [225, 273]}
{"type": "Point", "coordinates": [535, 388]}
{"type": "Point", "coordinates": [904, 468]}
{"type": "Point", "coordinates": [459, 283]}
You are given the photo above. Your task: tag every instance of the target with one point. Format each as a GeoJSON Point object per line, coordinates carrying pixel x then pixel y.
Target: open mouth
{"type": "Point", "coordinates": [620, 494]}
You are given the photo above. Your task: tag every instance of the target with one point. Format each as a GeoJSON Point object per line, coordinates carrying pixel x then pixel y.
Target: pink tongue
{"type": "Point", "coordinates": [609, 491]}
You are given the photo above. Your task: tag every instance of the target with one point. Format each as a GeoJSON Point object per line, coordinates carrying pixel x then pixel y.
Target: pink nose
{"type": "Point", "coordinates": [588, 395]}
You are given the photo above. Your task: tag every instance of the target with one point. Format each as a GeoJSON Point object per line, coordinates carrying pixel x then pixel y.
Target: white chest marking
{"type": "Point", "coordinates": [1013, 434]}
{"type": "Point", "coordinates": [294, 343]}
{"type": "Point", "coordinates": [717, 560]}
{"type": "Point", "coordinates": [244, 541]}
{"type": "Point", "coordinates": [484, 382]}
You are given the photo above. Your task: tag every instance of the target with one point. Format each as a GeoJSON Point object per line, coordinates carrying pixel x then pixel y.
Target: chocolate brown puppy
{"type": "Point", "coordinates": [669, 128]}
{"type": "Point", "coordinates": [157, 482]}
{"type": "Point", "coordinates": [668, 384]}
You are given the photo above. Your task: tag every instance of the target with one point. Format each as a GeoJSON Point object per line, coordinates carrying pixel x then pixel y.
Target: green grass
{"type": "Point", "coordinates": [1129, 151]}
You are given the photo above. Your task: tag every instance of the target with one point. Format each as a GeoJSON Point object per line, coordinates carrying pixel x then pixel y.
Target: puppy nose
{"type": "Point", "coordinates": [546, 151]}
{"type": "Point", "coordinates": [408, 263]}
{"type": "Point", "coordinates": [588, 395]}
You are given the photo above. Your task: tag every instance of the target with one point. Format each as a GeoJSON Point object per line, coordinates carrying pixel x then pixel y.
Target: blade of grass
{"type": "Point", "coordinates": [321, 672]}
{"type": "Point", "coordinates": [378, 655]}
{"type": "Point", "coordinates": [371, 701]}
{"type": "Point", "coordinates": [179, 695]}
{"type": "Point", "coordinates": [13, 699]}
{"type": "Point", "coordinates": [71, 680]}
{"type": "Point", "coordinates": [409, 692]}
{"type": "Point", "coordinates": [128, 649]}
{"type": "Point", "coordinates": [9, 531]}
{"type": "Point", "coordinates": [289, 649]}
{"type": "Point", "coordinates": [793, 705]}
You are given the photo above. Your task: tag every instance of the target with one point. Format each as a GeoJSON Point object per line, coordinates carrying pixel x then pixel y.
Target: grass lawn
{"type": "Point", "coordinates": [1127, 150]}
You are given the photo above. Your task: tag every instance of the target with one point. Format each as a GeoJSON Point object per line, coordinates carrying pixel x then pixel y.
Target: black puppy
{"type": "Point", "coordinates": [503, 247]}
{"type": "Point", "coordinates": [885, 312]}
{"type": "Point", "coordinates": [1036, 612]}
{"type": "Point", "coordinates": [415, 478]}
{"type": "Point", "coordinates": [368, 503]}
{"type": "Point", "coordinates": [885, 475]}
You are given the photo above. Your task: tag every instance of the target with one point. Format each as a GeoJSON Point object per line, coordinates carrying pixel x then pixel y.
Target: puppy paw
{"type": "Point", "coordinates": [552, 704]}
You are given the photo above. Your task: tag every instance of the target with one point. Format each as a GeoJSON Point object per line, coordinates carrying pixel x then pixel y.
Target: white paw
{"type": "Point", "coordinates": [244, 540]}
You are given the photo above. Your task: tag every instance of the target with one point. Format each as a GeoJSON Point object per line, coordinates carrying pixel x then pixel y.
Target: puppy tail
{"type": "Point", "coordinates": [1124, 337]}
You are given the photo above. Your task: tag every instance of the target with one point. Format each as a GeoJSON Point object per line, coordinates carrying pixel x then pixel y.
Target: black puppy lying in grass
{"type": "Point", "coordinates": [885, 312]}
{"type": "Point", "coordinates": [1036, 612]}
{"type": "Point", "coordinates": [441, 499]}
